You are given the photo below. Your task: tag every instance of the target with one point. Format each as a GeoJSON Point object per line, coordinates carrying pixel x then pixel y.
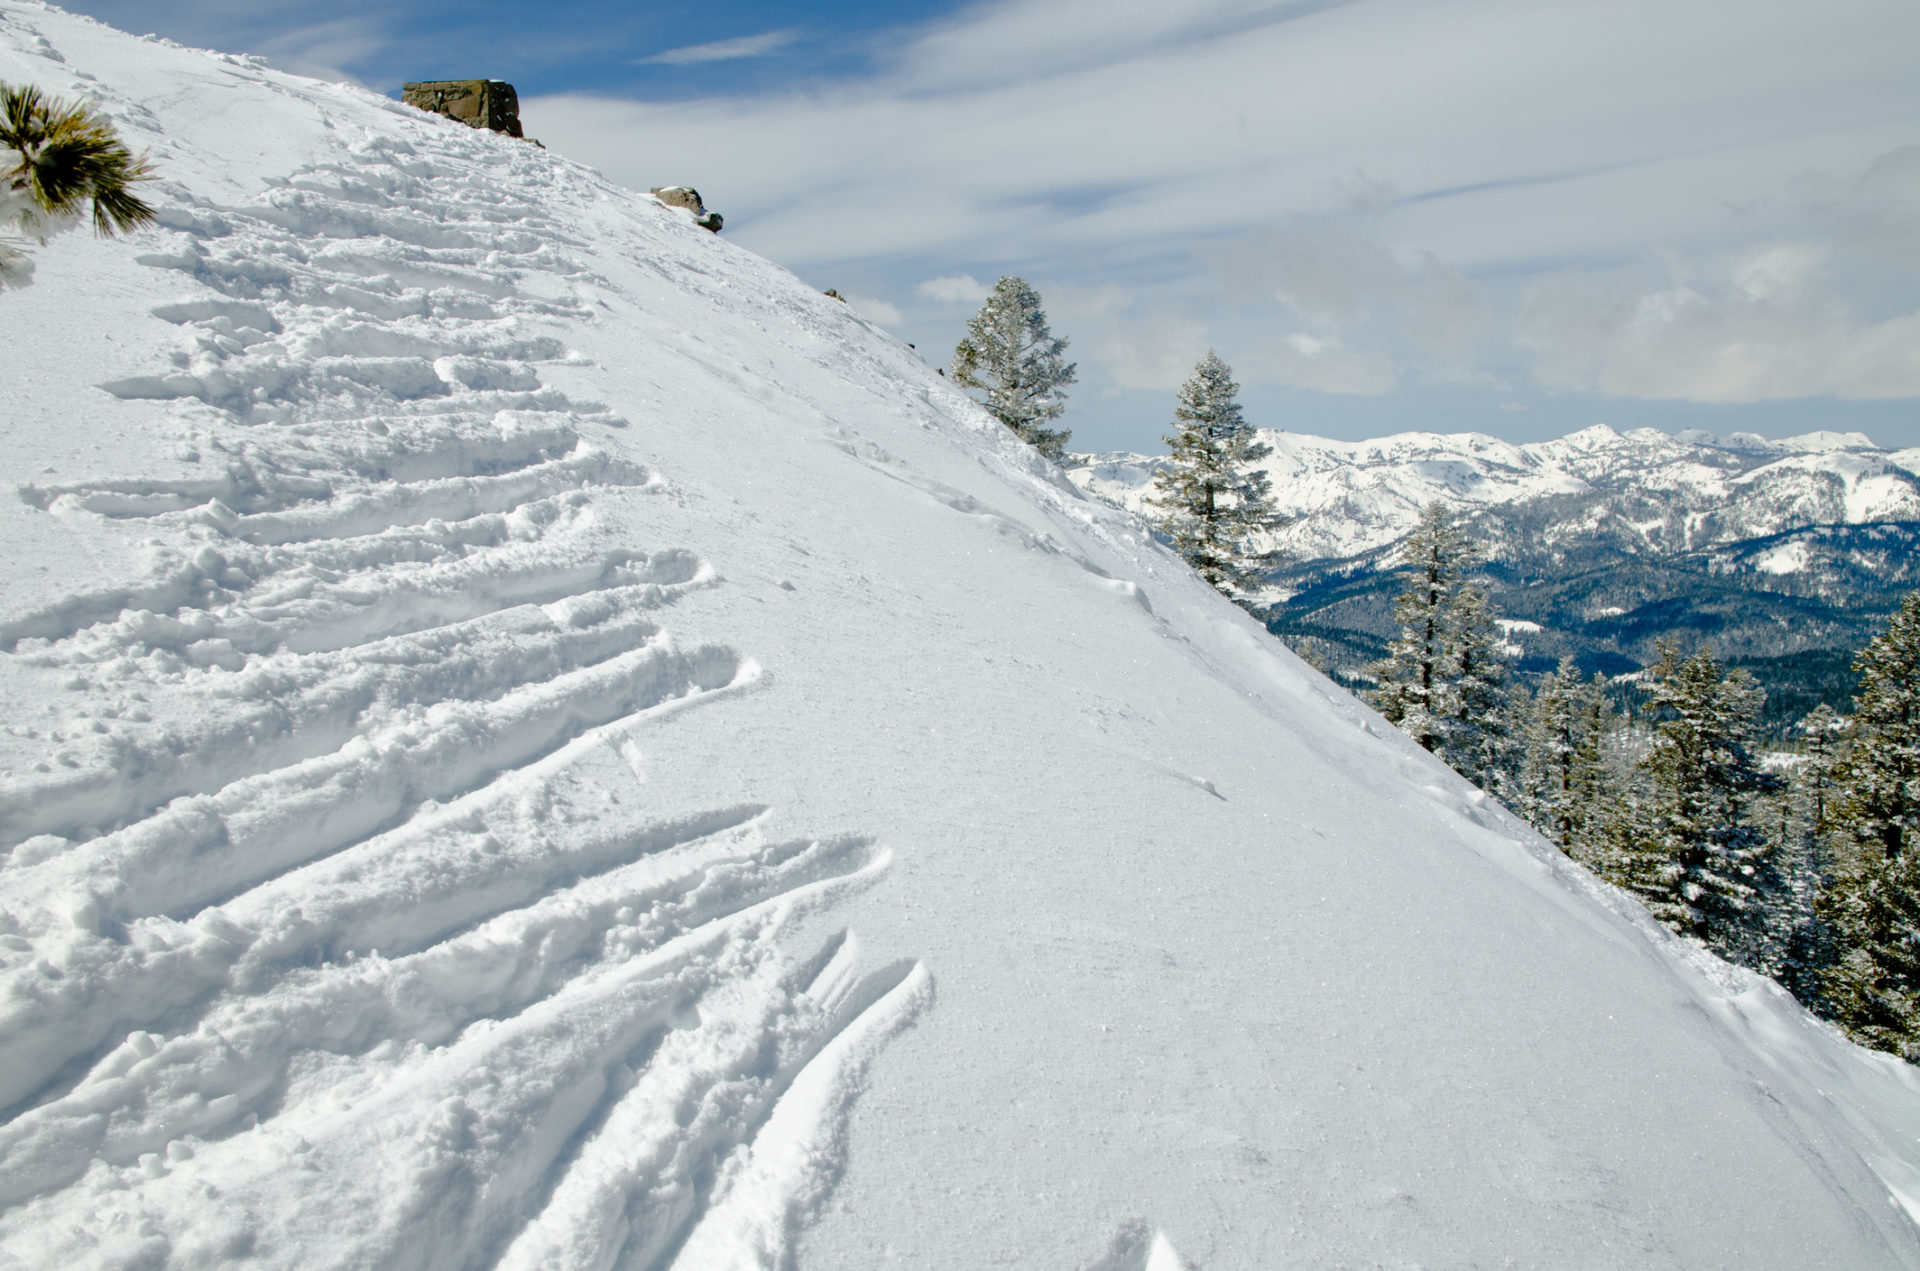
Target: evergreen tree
{"type": "Point", "coordinates": [1563, 775]}
{"type": "Point", "coordinates": [1824, 730]}
{"type": "Point", "coordinates": [1212, 500]}
{"type": "Point", "coordinates": [1414, 689]}
{"type": "Point", "coordinates": [1599, 766]}
{"type": "Point", "coordinates": [1811, 945]}
{"type": "Point", "coordinates": [1874, 820]}
{"type": "Point", "coordinates": [63, 159]}
{"type": "Point", "coordinates": [1879, 776]}
{"type": "Point", "coordinates": [1479, 734]}
{"type": "Point", "coordinates": [1010, 354]}
{"type": "Point", "coordinates": [1704, 866]}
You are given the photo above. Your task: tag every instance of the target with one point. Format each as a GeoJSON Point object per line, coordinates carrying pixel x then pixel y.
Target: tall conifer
{"type": "Point", "coordinates": [1213, 502]}
{"type": "Point", "coordinates": [1013, 357]}
{"type": "Point", "coordinates": [1479, 741]}
{"type": "Point", "coordinates": [1563, 775]}
{"type": "Point", "coordinates": [1875, 826]}
{"type": "Point", "coordinates": [1704, 866]}
{"type": "Point", "coordinates": [1414, 681]}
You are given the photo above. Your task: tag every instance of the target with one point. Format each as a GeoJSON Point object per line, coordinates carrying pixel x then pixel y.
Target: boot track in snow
{"type": "Point", "coordinates": [315, 890]}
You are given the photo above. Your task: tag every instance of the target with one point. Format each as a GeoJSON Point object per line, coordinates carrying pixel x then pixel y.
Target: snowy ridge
{"type": "Point", "coordinates": [344, 698]}
{"type": "Point", "coordinates": [1348, 498]}
{"type": "Point", "coordinates": [509, 703]}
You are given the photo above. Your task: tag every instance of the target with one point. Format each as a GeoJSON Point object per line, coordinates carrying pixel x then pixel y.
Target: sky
{"type": "Point", "coordinates": [1519, 217]}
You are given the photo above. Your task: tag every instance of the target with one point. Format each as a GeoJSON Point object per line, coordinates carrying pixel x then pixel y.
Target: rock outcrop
{"type": "Point", "coordinates": [479, 103]}
{"type": "Point", "coordinates": [688, 197]}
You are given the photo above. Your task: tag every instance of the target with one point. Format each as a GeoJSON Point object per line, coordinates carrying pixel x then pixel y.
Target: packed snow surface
{"type": "Point", "coordinates": [531, 738]}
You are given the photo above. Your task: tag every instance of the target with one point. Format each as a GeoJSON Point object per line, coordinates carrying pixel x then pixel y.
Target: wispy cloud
{"type": "Point", "coordinates": [765, 44]}
{"type": "Point", "coordinates": [1155, 349]}
{"type": "Point", "coordinates": [1765, 324]}
{"type": "Point", "coordinates": [876, 310]}
{"type": "Point", "coordinates": [954, 289]}
{"type": "Point", "coordinates": [1324, 365]}
{"type": "Point", "coordinates": [1347, 197]}
{"type": "Point", "coordinates": [324, 49]}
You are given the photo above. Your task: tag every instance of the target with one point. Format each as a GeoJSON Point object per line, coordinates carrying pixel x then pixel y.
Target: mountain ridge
{"type": "Point", "coordinates": [1351, 497]}
{"type": "Point", "coordinates": [1600, 543]}
{"type": "Point", "coordinates": [533, 738]}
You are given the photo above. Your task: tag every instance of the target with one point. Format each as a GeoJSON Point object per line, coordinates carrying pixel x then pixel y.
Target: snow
{"type": "Point", "coordinates": [1787, 558]}
{"type": "Point", "coordinates": [532, 737]}
{"type": "Point", "coordinates": [1349, 497]}
{"type": "Point", "coordinates": [1509, 627]}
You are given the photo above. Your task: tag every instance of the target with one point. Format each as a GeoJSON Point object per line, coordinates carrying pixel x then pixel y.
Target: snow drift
{"type": "Point", "coordinates": [534, 739]}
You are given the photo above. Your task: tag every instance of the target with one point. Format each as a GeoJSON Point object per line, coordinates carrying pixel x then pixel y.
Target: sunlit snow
{"type": "Point", "coordinates": [531, 738]}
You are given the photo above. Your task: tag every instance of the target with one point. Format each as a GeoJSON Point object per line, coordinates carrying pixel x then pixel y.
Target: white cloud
{"type": "Point", "coordinates": [746, 46]}
{"type": "Point", "coordinates": [953, 289]}
{"type": "Point", "coordinates": [1763, 325]}
{"type": "Point", "coordinates": [323, 49]}
{"type": "Point", "coordinates": [1071, 305]}
{"type": "Point", "coordinates": [1017, 39]}
{"type": "Point", "coordinates": [1324, 365]}
{"type": "Point", "coordinates": [1413, 187]}
{"type": "Point", "coordinates": [1882, 210]}
{"type": "Point", "coordinates": [1652, 115]}
{"type": "Point", "coordinates": [1336, 271]}
{"type": "Point", "coordinates": [1156, 350]}
{"type": "Point", "coordinates": [876, 310]}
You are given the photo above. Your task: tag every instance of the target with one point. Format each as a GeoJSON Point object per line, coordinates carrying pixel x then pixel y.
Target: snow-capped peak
{"type": "Point", "coordinates": [1351, 497]}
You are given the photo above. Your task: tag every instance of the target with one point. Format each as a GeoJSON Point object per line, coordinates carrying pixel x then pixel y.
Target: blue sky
{"type": "Point", "coordinates": [1511, 216]}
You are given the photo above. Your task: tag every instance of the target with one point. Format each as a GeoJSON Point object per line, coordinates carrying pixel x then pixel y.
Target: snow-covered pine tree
{"type": "Point", "coordinates": [1811, 947]}
{"type": "Point", "coordinates": [1563, 775]}
{"type": "Point", "coordinates": [1879, 776]}
{"type": "Point", "coordinates": [63, 158]}
{"type": "Point", "coordinates": [1010, 355]}
{"type": "Point", "coordinates": [1611, 808]}
{"type": "Point", "coordinates": [1824, 734]}
{"type": "Point", "coordinates": [1479, 738]}
{"type": "Point", "coordinates": [1212, 500]}
{"type": "Point", "coordinates": [1414, 680]}
{"type": "Point", "coordinates": [1704, 867]}
{"type": "Point", "coordinates": [1874, 822]}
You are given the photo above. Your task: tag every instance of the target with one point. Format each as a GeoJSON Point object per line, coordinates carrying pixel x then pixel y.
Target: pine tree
{"type": "Point", "coordinates": [1704, 867]}
{"type": "Point", "coordinates": [1479, 735]}
{"type": "Point", "coordinates": [1825, 731]}
{"type": "Point", "coordinates": [1811, 945]}
{"type": "Point", "coordinates": [1879, 776]}
{"type": "Point", "coordinates": [1415, 679]}
{"type": "Point", "coordinates": [64, 158]}
{"type": "Point", "coordinates": [1598, 766]}
{"type": "Point", "coordinates": [1010, 354]}
{"type": "Point", "coordinates": [1874, 904]}
{"type": "Point", "coordinates": [1213, 501]}
{"type": "Point", "coordinates": [1563, 776]}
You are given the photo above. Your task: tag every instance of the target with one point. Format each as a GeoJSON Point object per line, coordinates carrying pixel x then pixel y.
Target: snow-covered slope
{"type": "Point", "coordinates": [531, 738]}
{"type": "Point", "coordinates": [1350, 497]}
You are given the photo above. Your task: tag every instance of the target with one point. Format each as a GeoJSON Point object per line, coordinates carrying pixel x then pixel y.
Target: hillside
{"type": "Point", "coordinates": [1783, 554]}
{"type": "Point", "coordinates": [534, 738]}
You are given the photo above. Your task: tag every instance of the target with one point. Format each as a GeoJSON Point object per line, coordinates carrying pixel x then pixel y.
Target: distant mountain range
{"type": "Point", "coordinates": [1784, 555]}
